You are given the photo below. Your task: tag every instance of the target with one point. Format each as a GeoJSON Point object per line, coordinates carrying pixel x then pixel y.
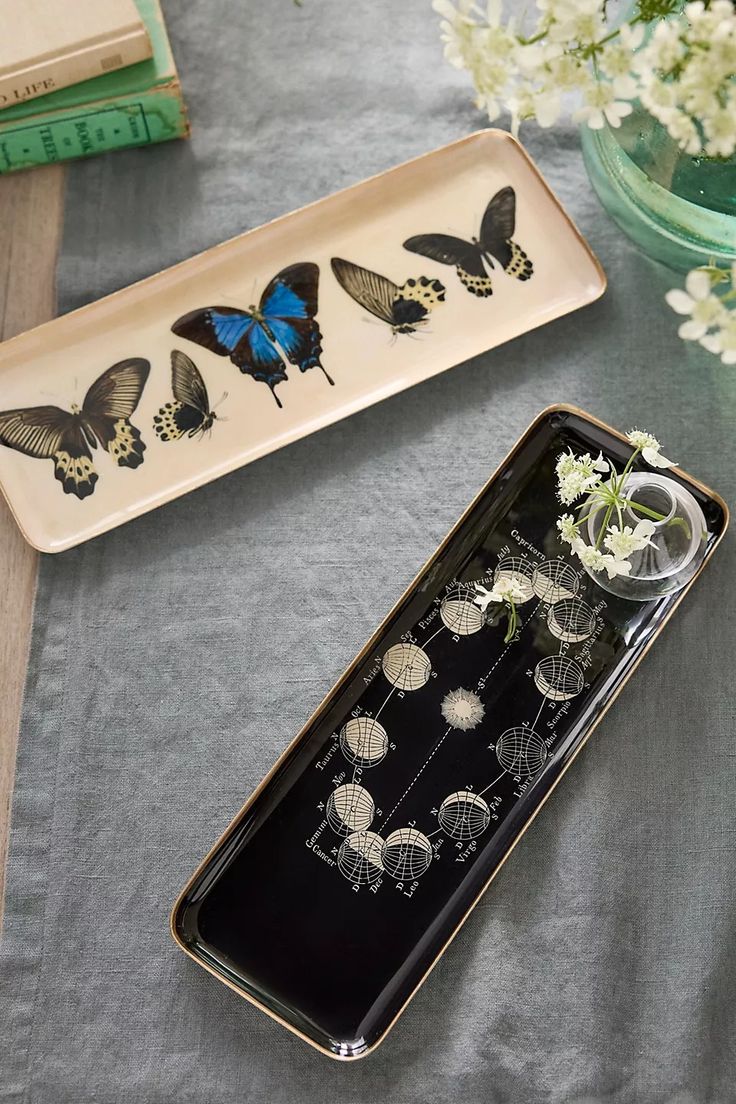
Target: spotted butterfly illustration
{"type": "Point", "coordinates": [403, 308]}
{"type": "Point", "coordinates": [66, 437]}
{"type": "Point", "coordinates": [190, 412]}
{"type": "Point", "coordinates": [495, 243]}
{"type": "Point", "coordinates": [263, 340]}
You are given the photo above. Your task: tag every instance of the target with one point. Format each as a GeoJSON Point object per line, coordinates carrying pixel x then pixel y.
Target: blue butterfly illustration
{"type": "Point", "coordinates": [263, 340]}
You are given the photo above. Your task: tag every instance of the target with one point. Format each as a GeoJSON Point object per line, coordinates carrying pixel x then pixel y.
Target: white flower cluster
{"type": "Point", "coordinates": [683, 74]}
{"type": "Point", "coordinates": [576, 474]}
{"type": "Point", "coordinates": [620, 542]}
{"type": "Point", "coordinates": [710, 321]}
{"type": "Point", "coordinates": [582, 475]}
{"type": "Point", "coordinates": [686, 73]}
{"type": "Point", "coordinates": [650, 448]}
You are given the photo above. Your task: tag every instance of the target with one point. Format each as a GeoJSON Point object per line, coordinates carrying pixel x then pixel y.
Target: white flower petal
{"type": "Point", "coordinates": [444, 8]}
{"type": "Point", "coordinates": [698, 284]}
{"type": "Point", "coordinates": [547, 106]}
{"type": "Point", "coordinates": [680, 301]}
{"type": "Point", "coordinates": [615, 567]}
{"type": "Point", "coordinates": [632, 37]}
{"type": "Point", "coordinates": [656, 459]}
{"type": "Point", "coordinates": [612, 115]}
{"type": "Point", "coordinates": [644, 528]}
{"type": "Point", "coordinates": [712, 342]}
{"type": "Point", "coordinates": [692, 330]}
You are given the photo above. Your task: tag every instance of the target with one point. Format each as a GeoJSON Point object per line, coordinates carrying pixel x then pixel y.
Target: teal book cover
{"type": "Point", "coordinates": [135, 106]}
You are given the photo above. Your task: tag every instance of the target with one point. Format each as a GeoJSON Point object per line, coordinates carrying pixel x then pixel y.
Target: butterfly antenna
{"type": "Point", "coordinates": [219, 402]}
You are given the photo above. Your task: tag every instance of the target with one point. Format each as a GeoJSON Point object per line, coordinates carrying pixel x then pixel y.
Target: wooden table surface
{"type": "Point", "coordinates": [30, 230]}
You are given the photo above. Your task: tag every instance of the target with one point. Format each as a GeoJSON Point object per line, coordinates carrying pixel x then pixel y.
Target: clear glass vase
{"type": "Point", "coordinates": [678, 540]}
{"type": "Point", "coordinates": [678, 208]}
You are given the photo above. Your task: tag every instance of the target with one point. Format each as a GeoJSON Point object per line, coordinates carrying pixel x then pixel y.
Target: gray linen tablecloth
{"type": "Point", "coordinates": [174, 658]}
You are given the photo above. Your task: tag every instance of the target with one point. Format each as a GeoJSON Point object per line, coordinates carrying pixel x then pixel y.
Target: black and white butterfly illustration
{"type": "Point", "coordinates": [495, 243]}
{"type": "Point", "coordinates": [66, 437]}
{"type": "Point", "coordinates": [263, 339]}
{"type": "Point", "coordinates": [403, 308]}
{"type": "Point", "coordinates": [189, 413]}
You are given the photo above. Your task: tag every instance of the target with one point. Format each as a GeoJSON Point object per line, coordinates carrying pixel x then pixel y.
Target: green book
{"type": "Point", "coordinates": [135, 106]}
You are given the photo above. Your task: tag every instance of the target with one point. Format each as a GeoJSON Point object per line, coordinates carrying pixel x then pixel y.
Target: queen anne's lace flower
{"type": "Point", "coordinates": [666, 48]}
{"type": "Point", "coordinates": [568, 528]}
{"type": "Point", "coordinates": [684, 131]}
{"type": "Point", "coordinates": [650, 448]}
{"type": "Point", "coordinates": [622, 542]}
{"type": "Point", "coordinates": [601, 106]}
{"type": "Point", "coordinates": [723, 341]}
{"type": "Point", "coordinates": [596, 560]}
{"type": "Point", "coordinates": [720, 130]}
{"type": "Point", "coordinates": [711, 321]}
{"type": "Point", "coordinates": [605, 499]}
{"type": "Point", "coordinates": [704, 308]}
{"type": "Point", "coordinates": [683, 74]}
{"type": "Point", "coordinates": [575, 474]}
{"type": "Point", "coordinates": [579, 21]}
{"type": "Point", "coordinates": [506, 590]}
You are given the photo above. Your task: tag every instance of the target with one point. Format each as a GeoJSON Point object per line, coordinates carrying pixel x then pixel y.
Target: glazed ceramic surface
{"type": "Point", "coordinates": [123, 405]}
{"type": "Point", "coordinates": [347, 873]}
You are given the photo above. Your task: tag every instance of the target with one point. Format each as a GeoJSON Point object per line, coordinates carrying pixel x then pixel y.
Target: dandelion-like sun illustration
{"type": "Point", "coordinates": [462, 709]}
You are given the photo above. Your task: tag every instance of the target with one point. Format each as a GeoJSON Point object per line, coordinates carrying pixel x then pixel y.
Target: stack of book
{"type": "Point", "coordinates": [78, 77]}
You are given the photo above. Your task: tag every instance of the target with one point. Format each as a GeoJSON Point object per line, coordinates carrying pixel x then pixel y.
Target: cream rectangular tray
{"type": "Point", "coordinates": [89, 398]}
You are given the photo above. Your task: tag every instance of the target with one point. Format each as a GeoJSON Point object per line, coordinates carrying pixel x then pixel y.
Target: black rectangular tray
{"type": "Point", "coordinates": [343, 879]}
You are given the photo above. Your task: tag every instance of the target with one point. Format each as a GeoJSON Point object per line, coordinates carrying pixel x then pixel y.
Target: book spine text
{"type": "Point", "coordinates": [139, 119]}
{"type": "Point", "coordinates": [77, 66]}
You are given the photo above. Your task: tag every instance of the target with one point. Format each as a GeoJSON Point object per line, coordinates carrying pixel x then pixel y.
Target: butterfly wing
{"type": "Point", "coordinates": [285, 323]}
{"type": "Point", "coordinates": [190, 411]}
{"type": "Point", "coordinates": [223, 330]}
{"type": "Point", "coordinates": [50, 433]}
{"type": "Point", "coordinates": [403, 308]}
{"type": "Point", "coordinates": [414, 300]}
{"type": "Point", "coordinates": [289, 306]}
{"type": "Point", "coordinates": [467, 257]}
{"type": "Point", "coordinates": [108, 406]}
{"type": "Point", "coordinates": [496, 235]}
{"type": "Point", "coordinates": [187, 383]}
{"type": "Point", "coordinates": [234, 333]}
{"type": "Point", "coordinates": [374, 293]}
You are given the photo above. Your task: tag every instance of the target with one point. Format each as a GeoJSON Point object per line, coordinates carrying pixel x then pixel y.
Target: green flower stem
{"type": "Point", "coordinates": [611, 497]}
{"type": "Point", "coordinates": [630, 504]}
{"type": "Point", "coordinates": [531, 41]}
{"type": "Point", "coordinates": [604, 526]}
{"type": "Point", "coordinates": [657, 517]}
{"type": "Point", "coordinates": [626, 471]}
{"type": "Point", "coordinates": [512, 622]}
